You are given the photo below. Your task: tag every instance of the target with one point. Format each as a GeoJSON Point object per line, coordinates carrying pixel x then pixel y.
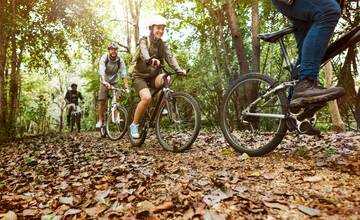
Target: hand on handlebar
{"type": "Point", "coordinates": [106, 84]}
{"type": "Point", "coordinates": [181, 72]}
{"type": "Point", "coordinates": [155, 62]}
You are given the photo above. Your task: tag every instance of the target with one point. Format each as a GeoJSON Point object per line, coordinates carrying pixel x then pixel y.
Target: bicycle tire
{"type": "Point", "coordinates": [124, 116]}
{"type": "Point", "coordinates": [280, 133]}
{"type": "Point", "coordinates": [176, 138]}
{"type": "Point", "coordinates": [72, 123]}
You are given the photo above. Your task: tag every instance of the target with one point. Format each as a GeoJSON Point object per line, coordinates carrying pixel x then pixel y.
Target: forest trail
{"type": "Point", "coordinates": [81, 176]}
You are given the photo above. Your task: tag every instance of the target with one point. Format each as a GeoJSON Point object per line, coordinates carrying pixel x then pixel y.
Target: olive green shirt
{"type": "Point", "coordinates": [149, 48]}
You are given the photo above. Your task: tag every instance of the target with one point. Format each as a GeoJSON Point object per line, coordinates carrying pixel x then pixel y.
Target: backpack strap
{"type": "Point", "coordinates": [107, 61]}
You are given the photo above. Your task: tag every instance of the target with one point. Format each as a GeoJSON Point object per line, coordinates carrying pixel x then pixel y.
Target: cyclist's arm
{"type": "Point", "coordinates": [102, 68]}
{"type": "Point", "coordinates": [123, 73]}
{"type": "Point", "coordinates": [67, 97]}
{"type": "Point", "coordinates": [81, 97]}
{"type": "Point", "coordinates": [170, 59]}
{"type": "Point", "coordinates": [144, 51]}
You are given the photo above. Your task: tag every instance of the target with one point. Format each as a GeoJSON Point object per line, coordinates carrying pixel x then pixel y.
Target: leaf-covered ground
{"type": "Point", "coordinates": [81, 176]}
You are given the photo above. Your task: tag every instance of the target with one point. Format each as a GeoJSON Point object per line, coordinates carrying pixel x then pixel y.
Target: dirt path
{"type": "Point", "coordinates": [85, 177]}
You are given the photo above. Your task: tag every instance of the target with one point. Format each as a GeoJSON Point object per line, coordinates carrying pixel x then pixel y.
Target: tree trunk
{"type": "Point", "coordinates": [357, 109]}
{"type": "Point", "coordinates": [338, 124]}
{"type": "Point", "coordinates": [3, 48]}
{"type": "Point", "coordinates": [254, 33]}
{"type": "Point", "coordinates": [135, 7]}
{"type": "Point", "coordinates": [14, 78]}
{"type": "Point", "coordinates": [128, 31]}
{"type": "Point", "coordinates": [3, 107]}
{"type": "Point", "coordinates": [237, 36]}
{"type": "Point", "coordinates": [347, 81]}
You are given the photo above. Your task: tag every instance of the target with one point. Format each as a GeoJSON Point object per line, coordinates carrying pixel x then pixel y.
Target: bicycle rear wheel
{"type": "Point", "coordinates": [178, 129]}
{"type": "Point", "coordinates": [251, 119]}
{"type": "Point", "coordinates": [117, 130]}
{"type": "Point", "coordinates": [72, 122]}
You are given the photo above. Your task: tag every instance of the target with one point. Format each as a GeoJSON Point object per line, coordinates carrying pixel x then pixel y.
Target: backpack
{"type": "Point", "coordinates": [137, 55]}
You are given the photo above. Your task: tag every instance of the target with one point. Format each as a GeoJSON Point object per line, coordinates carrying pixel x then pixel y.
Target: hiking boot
{"type": "Point", "coordinates": [308, 91]}
{"type": "Point", "coordinates": [313, 131]}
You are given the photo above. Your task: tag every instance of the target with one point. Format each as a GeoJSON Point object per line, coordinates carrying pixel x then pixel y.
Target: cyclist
{"type": "Point", "coordinates": [72, 100]}
{"type": "Point", "coordinates": [314, 22]}
{"type": "Point", "coordinates": [145, 71]}
{"type": "Point", "coordinates": [110, 67]}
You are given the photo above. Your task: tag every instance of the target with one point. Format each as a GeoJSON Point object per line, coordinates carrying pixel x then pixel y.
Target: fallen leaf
{"type": "Point", "coordinates": [10, 215]}
{"type": "Point", "coordinates": [276, 205]}
{"type": "Point", "coordinates": [29, 212]}
{"type": "Point", "coordinates": [163, 207]}
{"type": "Point", "coordinates": [101, 195]}
{"type": "Point", "coordinates": [313, 179]}
{"type": "Point", "coordinates": [210, 215]}
{"type": "Point", "coordinates": [50, 217]}
{"type": "Point", "coordinates": [309, 211]}
{"type": "Point", "coordinates": [216, 197]}
{"type": "Point", "coordinates": [72, 212]}
{"type": "Point", "coordinates": [66, 200]}
{"type": "Point", "coordinates": [145, 206]}
{"type": "Point", "coordinates": [96, 210]}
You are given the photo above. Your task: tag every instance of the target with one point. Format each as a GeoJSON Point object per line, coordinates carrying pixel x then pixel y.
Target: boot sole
{"type": "Point", "coordinates": [305, 101]}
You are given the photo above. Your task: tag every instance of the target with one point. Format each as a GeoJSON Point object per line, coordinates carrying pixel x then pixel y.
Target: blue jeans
{"type": "Point", "coordinates": [315, 21]}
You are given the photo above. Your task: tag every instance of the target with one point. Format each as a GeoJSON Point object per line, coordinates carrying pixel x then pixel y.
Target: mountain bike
{"type": "Point", "coordinates": [176, 117]}
{"type": "Point", "coordinates": [255, 113]}
{"type": "Point", "coordinates": [75, 118]}
{"type": "Point", "coordinates": [116, 117]}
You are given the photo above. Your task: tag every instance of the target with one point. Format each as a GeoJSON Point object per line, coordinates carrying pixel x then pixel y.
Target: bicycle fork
{"type": "Point", "coordinates": [171, 106]}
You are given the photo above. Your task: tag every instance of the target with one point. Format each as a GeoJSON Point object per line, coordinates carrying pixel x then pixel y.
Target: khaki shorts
{"type": "Point", "coordinates": [104, 91]}
{"type": "Point", "coordinates": [151, 83]}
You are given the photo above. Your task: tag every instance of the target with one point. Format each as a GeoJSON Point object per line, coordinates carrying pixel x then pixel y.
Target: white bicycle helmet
{"type": "Point", "coordinates": [157, 20]}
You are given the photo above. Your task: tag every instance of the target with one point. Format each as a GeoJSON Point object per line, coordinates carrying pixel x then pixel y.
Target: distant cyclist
{"type": "Point", "coordinates": [111, 67]}
{"type": "Point", "coordinates": [72, 100]}
{"type": "Point", "coordinates": [315, 21]}
{"type": "Point", "coordinates": [151, 52]}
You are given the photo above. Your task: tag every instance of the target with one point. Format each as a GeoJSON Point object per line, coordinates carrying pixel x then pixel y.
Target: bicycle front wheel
{"type": "Point", "coordinates": [178, 126]}
{"type": "Point", "coordinates": [252, 117]}
{"type": "Point", "coordinates": [116, 126]}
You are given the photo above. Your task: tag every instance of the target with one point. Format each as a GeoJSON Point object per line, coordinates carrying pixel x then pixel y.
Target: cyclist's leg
{"type": "Point", "coordinates": [158, 82]}
{"type": "Point", "coordinates": [70, 108]}
{"type": "Point", "coordinates": [141, 87]}
{"type": "Point", "coordinates": [323, 15]}
{"type": "Point", "coordinates": [102, 98]}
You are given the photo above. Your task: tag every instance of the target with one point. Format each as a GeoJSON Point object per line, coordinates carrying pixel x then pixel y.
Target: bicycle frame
{"type": "Point", "coordinates": [112, 103]}
{"type": "Point", "coordinates": [165, 94]}
{"type": "Point", "coordinates": [345, 41]}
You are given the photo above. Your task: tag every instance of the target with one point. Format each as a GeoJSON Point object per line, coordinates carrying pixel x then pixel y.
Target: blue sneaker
{"type": "Point", "coordinates": [134, 130]}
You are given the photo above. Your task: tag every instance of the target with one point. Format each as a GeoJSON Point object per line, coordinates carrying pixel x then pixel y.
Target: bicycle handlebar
{"type": "Point", "coordinates": [167, 72]}
{"type": "Point", "coordinates": [117, 89]}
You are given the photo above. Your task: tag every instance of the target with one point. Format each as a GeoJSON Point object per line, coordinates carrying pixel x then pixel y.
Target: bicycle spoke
{"type": "Point", "coordinates": [252, 116]}
{"type": "Point", "coordinates": [178, 129]}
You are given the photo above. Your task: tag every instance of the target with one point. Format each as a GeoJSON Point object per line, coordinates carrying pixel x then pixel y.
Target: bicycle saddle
{"type": "Point", "coordinates": [274, 36]}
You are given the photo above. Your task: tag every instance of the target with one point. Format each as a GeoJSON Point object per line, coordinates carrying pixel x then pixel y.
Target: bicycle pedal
{"type": "Point", "coordinates": [311, 110]}
{"type": "Point", "coordinates": [307, 128]}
